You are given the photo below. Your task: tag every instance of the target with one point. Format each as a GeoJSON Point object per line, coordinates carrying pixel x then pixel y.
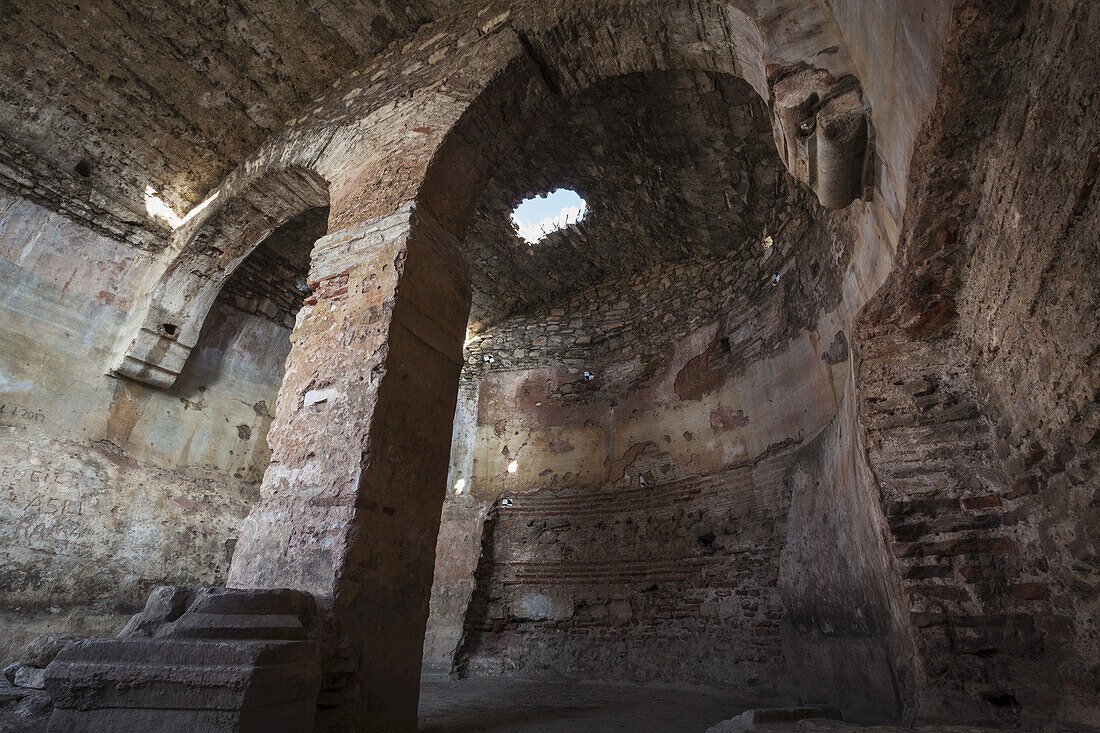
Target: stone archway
{"type": "Point", "coordinates": [350, 505]}
{"type": "Point", "coordinates": [205, 254]}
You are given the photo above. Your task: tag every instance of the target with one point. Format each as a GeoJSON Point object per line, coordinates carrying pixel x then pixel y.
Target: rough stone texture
{"type": "Point", "coordinates": [110, 489]}
{"type": "Point", "coordinates": [206, 659]}
{"type": "Point", "coordinates": [645, 172]}
{"type": "Point", "coordinates": [271, 282]}
{"type": "Point", "coordinates": [391, 298]}
{"type": "Point", "coordinates": [23, 710]}
{"type": "Point", "coordinates": [927, 454]}
{"type": "Point", "coordinates": [821, 127]}
{"type": "Point", "coordinates": [611, 554]}
{"type": "Point", "coordinates": [135, 685]}
{"type": "Point", "coordinates": [187, 278]}
{"type": "Point", "coordinates": [992, 519]}
{"type": "Point", "coordinates": [168, 96]}
{"type": "Point", "coordinates": [43, 649]}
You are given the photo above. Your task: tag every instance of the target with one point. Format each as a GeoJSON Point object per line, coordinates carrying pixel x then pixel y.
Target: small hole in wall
{"type": "Point", "coordinates": [170, 329]}
{"type": "Point", "coordinates": [1002, 700]}
{"type": "Point", "coordinates": [84, 169]}
{"type": "Point", "coordinates": [706, 542]}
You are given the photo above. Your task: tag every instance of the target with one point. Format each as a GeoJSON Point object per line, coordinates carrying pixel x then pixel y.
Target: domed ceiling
{"type": "Point", "coordinates": [672, 165]}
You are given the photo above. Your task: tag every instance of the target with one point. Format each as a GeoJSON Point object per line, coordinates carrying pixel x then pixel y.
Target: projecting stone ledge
{"type": "Point", "coordinates": [195, 660]}
{"type": "Point", "coordinates": [823, 133]}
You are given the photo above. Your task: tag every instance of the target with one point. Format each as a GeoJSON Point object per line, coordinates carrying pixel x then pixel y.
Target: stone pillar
{"type": "Point", "coordinates": [350, 505]}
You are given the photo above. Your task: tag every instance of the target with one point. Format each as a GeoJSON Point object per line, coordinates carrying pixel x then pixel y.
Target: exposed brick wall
{"type": "Point", "coordinates": [977, 375]}
{"type": "Point", "coordinates": [675, 580]}
{"type": "Point", "coordinates": [958, 524]}
{"type": "Point", "coordinates": [655, 564]}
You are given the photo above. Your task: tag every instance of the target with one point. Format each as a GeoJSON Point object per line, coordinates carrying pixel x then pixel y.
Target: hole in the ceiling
{"type": "Point", "coordinates": [84, 169]}
{"type": "Point", "coordinates": [537, 217]}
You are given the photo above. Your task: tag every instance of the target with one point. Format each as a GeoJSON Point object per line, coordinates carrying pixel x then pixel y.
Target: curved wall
{"type": "Point", "coordinates": [108, 487]}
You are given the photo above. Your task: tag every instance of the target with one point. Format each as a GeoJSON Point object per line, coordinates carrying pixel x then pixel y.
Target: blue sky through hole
{"type": "Point", "coordinates": [536, 217]}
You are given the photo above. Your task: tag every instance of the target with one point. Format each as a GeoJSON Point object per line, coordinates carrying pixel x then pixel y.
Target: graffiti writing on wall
{"type": "Point", "coordinates": [19, 412]}
{"type": "Point", "coordinates": [40, 504]}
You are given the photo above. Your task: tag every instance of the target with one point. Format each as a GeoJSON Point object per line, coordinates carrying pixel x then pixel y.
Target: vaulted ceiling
{"type": "Point", "coordinates": [175, 93]}
{"type": "Point", "coordinates": [124, 96]}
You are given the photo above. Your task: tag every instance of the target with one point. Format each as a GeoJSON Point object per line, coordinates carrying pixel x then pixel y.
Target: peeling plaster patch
{"type": "Point", "coordinates": [838, 350]}
{"type": "Point", "coordinates": [702, 374]}
{"type": "Point", "coordinates": [725, 419]}
{"type": "Point", "coordinates": [319, 396]}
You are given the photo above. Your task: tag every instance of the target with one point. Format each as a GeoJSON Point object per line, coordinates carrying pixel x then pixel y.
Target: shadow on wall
{"type": "Point", "coordinates": [845, 616]}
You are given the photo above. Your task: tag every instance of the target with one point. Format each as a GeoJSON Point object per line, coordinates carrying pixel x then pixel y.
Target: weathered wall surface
{"type": "Point", "coordinates": [978, 378]}
{"type": "Point", "coordinates": [108, 488]}
{"type": "Point", "coordinates": [1029, 319]}
{"type": "Point", "coordinates": [696, 377]}
{"type": "Point", "coordinates": [976, 369]}
{"type": "Point", "coordinates": [1029, 315]}
{"type": "Point", "coordinates": [647, 515]}
{"type": "Point", "coordinates": [846, 619]}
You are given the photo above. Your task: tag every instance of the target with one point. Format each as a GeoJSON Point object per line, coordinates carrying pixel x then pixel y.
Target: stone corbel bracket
{"type": "Point", "coordinates": [156, 355]}
{"type": "Point", "coordinates": [822, 128]}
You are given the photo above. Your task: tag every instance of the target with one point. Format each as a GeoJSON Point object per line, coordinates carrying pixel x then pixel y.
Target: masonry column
{"type": "Point", "coordinates": [350, 505]}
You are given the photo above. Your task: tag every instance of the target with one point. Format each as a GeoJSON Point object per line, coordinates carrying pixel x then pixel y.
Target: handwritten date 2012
{"type": "Point", "coordinates": [8, 409]}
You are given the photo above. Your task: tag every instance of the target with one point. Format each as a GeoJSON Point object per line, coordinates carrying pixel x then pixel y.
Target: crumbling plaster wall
{"type": "Point", "coordinates": [648, 507]}
{"type": "Point", "coordinates": [1029, 319]}
{"type": "Point", "coordinates": [873, 231]}
{"type": "Point", "coordinates": [107, 487]}
{"type": "Point", "coordinates": [412, 97]}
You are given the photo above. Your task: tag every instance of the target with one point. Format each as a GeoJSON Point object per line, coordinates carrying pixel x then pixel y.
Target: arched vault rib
{"type": "Point", "coordinates": [168, 326]}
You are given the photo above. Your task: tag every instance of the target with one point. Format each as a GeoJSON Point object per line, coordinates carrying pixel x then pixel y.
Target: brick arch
{"type": "Point", "coordinates": [201, 260]}
{"type": "Point", "coordinates": [377, 352]}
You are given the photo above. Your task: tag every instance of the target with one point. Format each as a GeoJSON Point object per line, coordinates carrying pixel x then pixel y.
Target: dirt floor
{"type": "Point", "coordinates": [513, 706]}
